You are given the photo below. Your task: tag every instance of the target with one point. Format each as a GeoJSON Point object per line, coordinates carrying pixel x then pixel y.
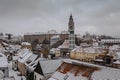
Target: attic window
{"type": "Point", "coordinates": [32, 64]}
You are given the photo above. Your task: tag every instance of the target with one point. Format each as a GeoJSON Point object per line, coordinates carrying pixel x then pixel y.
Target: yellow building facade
{"type": "Point", "coordinates": [86, 56]}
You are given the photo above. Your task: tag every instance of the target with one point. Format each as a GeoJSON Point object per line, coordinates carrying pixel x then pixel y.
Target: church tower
{"type": "Point", "coordinates": [71, 33]}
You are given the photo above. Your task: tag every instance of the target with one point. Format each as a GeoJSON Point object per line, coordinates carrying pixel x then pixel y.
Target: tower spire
{"type": "Point", "coordinates": [71, 18]}
{"type": "Point", "coordinates": [71, 33]}
{"type": "Point", "coordinates": [71, 23]}
{"type": "Point", "coordinates": [71, 15]}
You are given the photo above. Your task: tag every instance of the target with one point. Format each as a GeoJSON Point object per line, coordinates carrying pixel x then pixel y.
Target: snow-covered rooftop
{"type": "Point", "coordinates": [106, 74]}
{"type": "Point", "coordinates": [84, 45]}
{"type": "Point", "coordinates": [54, 49]}
{"type": "Point", "coordinates": [1, 49]}
{"type": "Point", "coordinates": [15, 46]}
{"type": "Point", "coordinates": [1, 74]}
{"type": "Point", "coordinates": [31, 59]}
{"type": "Point", "coordinates": [100, 60]}
{"type": "Point", "coordinates": [87, 50]}
{"type": "Point", "coordinates": [22, 52]}
{"type": "Point", "coordinates": [64, 32]}
{"type": "Point", "coordinates": [77, 72]}
{"type": "Point", "coordinates": [117, 62]}
{"type": "Point", "coordinates": [8, 78]}
{"type": "Point", "coordinates": [3, 61]}
{"type": "Point", "coordinates": [15, 57]}
{"type": "Point", "coordinates": [54, 37]}
{"type": "Point", "coordinates": [110, 40]}
{"type": "Point", "coordinates": [118, 55]}
{"type": "Point", "coordinates": [92, 50]}
{"type": "Point", "coordinates": [33, 64]}
{"type": "Point", "coordinates": [24, 55]}
{"type": "Point", "coordinates": [69, 76]}
{"type": "Point", "coordinates": [114, 47]}
{"type": "Point", "coordinates": [25, 43]}
{"type": "Point", "coordinates": [65, 44]}
{"type": "Point", "coordinates": [69, 71]}
{"type": "Point", "coordinates": [50, 66]}
{"type": "Point", "coordinates": [4, 43]}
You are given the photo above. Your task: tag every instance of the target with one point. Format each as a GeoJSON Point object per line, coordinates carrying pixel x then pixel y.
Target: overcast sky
{"type": "Point", "coordinates": [94, 16]}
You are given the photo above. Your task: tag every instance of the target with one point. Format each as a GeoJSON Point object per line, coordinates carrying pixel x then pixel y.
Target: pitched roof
{"type": "Point", "coordinates": [106, 73]}
{"type": "Point", "coordinates": [87, 50]}
{"type": "Point", "coordinates": [31, 67]}
{"type": "Point", "coordinates": [68, 71]}
{"type": "Point", "coordinates": [117, 62]}
{"type": "Point", "coordinates": [31, 59]}
{"type": "Point", "coordinates": [24, 55]}
{"type": "Point", "coordinates": [50, 66]}
{"type": "Point", "coordinates": [85, 71]}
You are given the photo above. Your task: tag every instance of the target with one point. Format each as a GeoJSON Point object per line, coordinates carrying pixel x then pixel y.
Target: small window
{"type": "Point", "coordinates": [1, 56]}
{"type": "Point", "coordinates": [35, 77]}
{"type": "Point", "coordinates": [71, 32]}
{"type": "Point", "coordinates": [32, 64]}
{"type": "Point", "coordinates": [3, 71]}
{"type": "Point", "coordinates": [65, 78]}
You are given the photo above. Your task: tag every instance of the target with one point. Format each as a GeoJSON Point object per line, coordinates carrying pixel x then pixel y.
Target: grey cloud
{"type": "Point", "coordinates": [95, 16]}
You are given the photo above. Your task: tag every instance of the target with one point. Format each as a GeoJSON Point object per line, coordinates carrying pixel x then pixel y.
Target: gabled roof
{"type": "Point", "coordinates": [31, 59]}
{"type": "Point", "coordinates": [68, 71]}
{"type": "Point", "coordinates": [24, 55]}
{"type": "Point", "coordinates": [31, 67]}
{"type": "Point", "coordinates": [85, 71]}
{"type": "Point", "coordinates": [38, 69]}
{"type": "Point", "coordinates": [48, 66]}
